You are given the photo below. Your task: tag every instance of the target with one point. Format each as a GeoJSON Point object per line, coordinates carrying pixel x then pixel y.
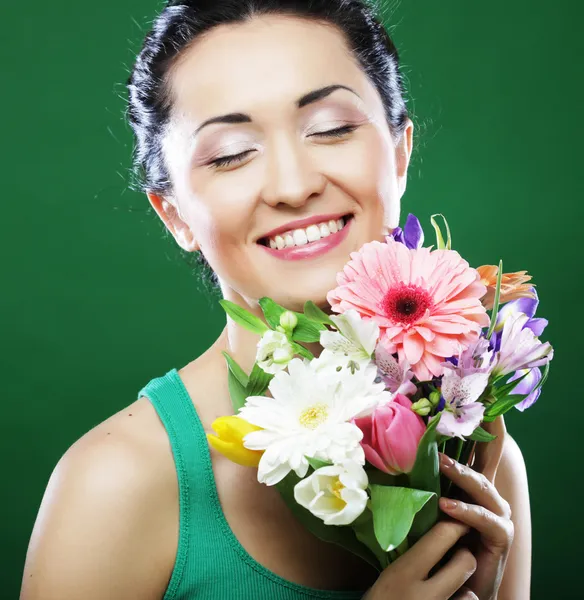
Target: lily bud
{"type": "Point", "coordinates": [434, 398]}
{"type": "Point", "coordinates": [288, 320]}
{"type": "Point", "coordinates": [422, 407]}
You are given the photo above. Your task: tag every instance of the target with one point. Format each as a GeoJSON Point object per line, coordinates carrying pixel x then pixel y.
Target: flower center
{"type": "Point", "coordinates": [406, 303]}
{"type": "Point", "coordinates": [336, 488]}
{"type": "Point", "coordinates": [313, 416]}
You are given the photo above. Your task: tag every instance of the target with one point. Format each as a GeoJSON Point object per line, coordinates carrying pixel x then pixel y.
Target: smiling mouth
{"type": "Point", "coordinates": [306, 235]}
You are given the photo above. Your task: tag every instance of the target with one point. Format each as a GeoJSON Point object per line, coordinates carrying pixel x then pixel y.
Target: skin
{"type": "Point", "coordinates": [108, 521]}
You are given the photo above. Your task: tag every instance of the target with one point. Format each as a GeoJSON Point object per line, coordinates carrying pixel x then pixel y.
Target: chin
{"type": "Point", "coordinates": [312, 284]}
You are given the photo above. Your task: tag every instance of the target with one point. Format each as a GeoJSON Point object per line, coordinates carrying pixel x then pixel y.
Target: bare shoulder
{"type": "Point", "coordinates": [107, 525]}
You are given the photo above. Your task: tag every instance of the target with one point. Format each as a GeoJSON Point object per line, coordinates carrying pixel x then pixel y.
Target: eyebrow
{"type": "Point", "coordinates": [309, 98]}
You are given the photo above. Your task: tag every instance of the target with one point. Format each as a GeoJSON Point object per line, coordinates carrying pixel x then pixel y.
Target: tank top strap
{"type": "Point", "coordinates": [197, 512]}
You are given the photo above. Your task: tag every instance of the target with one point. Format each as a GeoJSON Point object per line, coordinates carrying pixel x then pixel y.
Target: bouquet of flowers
{"type": "Point", "coordinates": [411, 363]}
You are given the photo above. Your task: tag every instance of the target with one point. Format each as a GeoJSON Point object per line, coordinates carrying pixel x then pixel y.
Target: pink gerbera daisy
{"type": "Point", "coordinates": [426, 302]}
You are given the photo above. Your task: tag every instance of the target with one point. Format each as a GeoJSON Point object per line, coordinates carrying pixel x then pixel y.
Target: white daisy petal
{"type": "Point", "coordinates": [310, 415]}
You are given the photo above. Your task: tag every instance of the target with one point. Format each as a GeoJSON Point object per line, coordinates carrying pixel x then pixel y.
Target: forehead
{"type": "Point", "coordinates": [261, 66]}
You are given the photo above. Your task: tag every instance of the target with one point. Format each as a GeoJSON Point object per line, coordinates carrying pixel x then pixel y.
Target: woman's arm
{"type": "Point", "coordinates": [100, 529]}
{"type": "Point", "coordinates": [511, 482]}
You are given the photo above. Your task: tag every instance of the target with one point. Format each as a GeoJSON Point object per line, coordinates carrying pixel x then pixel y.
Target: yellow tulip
{"type": "Point", "coordinates": [229, 440]}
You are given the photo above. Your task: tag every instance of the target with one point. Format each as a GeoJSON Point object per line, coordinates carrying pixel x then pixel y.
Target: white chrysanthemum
{"type": "Point", "coordinates": [274, 352]}
{"type": "Point", "coordinates": [354, 341]}
{"type": "Point", "coordinates": [336, 494]}
{"type": "Point", "coordinates": [309, 415]}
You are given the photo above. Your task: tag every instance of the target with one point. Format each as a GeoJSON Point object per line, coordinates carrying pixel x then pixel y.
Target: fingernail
{"type": "Point", "coordinates": [448, 504]}
{"type": "Point", "coordinates": [446, 460]}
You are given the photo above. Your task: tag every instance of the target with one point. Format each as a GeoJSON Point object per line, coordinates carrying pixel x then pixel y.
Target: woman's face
{"type": "Point", "coordinates": [289, 168]}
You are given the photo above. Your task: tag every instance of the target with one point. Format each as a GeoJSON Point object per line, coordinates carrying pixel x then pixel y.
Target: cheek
{"type": "Point", "coordinates": [365, 169]}
{"type": "Point", "coordinates": [222, 218]}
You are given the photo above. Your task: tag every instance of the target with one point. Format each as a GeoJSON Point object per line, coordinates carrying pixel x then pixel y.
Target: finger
{"type": "Point", "coordinates": [476, 485]}
{"type": "Point", "coordinates": [456, 572]}
{"type": "Point", "coordinates": [488, 454]}
{"type": "Point", "coordinates": [430, 548]}
{"type": "Point", "coordinates": [465, 594]}
{"type": "Point", "coordinates": [496, 531]}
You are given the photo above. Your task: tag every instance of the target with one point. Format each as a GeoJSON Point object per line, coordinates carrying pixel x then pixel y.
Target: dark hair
{"type": "Point", "coordinates": [182, 22]}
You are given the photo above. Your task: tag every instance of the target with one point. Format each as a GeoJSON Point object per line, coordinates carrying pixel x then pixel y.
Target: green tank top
{"type": "Point", "coordinates": [210, 562]}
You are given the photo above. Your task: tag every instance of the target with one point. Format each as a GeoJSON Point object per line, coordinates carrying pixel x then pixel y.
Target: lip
{"type": "Point", "coordinates": [302, 223]}
{"type": "Point", "coordinates": [313, 249]}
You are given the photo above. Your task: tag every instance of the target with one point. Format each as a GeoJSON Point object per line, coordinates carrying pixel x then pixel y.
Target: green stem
{"type": "Point", "coordinates": [402, 547]}
{"type": "Point", "coordinates": [459, 449]}
{"type": "Point", "coordinates": [467, 451]}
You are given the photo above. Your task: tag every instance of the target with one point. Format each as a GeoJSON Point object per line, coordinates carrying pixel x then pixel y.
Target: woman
{"type": "Point", "coordinates": [255, 122]}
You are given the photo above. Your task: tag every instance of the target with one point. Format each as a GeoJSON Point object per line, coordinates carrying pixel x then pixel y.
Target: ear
{"type": "Point", "coordinates": [171, 218]}
{"type": "Point", "coordinates": [403, 152]}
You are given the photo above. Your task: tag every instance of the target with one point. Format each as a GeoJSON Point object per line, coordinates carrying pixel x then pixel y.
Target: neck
{"type": "Point", "coordinates": [240, 343]}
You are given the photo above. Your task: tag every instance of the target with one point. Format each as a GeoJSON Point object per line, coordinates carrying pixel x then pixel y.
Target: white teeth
{"type": "Point", "coordinates": [313, 233]}
{"type": "Point", "coordinates": [300, 238]}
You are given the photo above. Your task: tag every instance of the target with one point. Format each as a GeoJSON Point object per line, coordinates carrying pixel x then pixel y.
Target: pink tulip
{"type": "Point", "coordinates": [391, 436]}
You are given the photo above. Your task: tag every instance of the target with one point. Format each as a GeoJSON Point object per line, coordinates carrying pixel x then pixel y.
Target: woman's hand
{"type": "Point", "coordinates": [407, 578]}
{"type": "Point", "coordinates": [490, 516]}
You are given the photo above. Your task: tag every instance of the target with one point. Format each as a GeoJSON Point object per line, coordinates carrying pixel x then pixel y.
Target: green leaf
{"type": "Point", "coordinates": [237, 392]}
{"type": "Point", "coordinates": [425, 475]}
{"type": "Point", "coordinates": [502, 405]}
{"type": "Point", "coordinates": [302, 351]}
{"type": "Point", "coordinates": [258, 381]}
{"type": "Point", "coordinates": [363, 528]}
{"type": "Point", "coordinates": [495, 310]}
{"type": "Point", "coordinates": [316, 463]}
{"type": "Point", "coordinates": [237, 371]}
{"type": "Point", "coordinates": [544, 377]}
{"type": "Point", "coordinates": [394, 509]}
{"type": "Point", "coordinates": [305, 331]}
{"type": "Point", "coordinates": [440, 244]}
{"type": "Point", "coordinates": [243, 317]}
{"type": "Point", "coordinates": [342, 535]}
{"type": "Point", "coordinates": [480, 435]}
{"type": "Point", "coordinates": [314, 313]}
{"type": "Point", "coordinates": [236, 383]}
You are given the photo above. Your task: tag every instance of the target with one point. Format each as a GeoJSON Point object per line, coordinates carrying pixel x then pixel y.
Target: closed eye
{"type": "Point", "coordinates": [233, 158]}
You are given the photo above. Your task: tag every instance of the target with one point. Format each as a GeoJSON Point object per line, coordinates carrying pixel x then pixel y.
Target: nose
{"type": "Point", "coordinates": [292, 178]}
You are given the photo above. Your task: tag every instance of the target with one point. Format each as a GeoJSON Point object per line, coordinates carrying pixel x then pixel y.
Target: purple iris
{"type": "Point", "coordinates": [527, 306]}
{"type": "Point", "coordinates": [412, 235]}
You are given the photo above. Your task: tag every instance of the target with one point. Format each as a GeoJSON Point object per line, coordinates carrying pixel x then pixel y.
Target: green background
{"type": "Point", "coordinates": [98, 299]}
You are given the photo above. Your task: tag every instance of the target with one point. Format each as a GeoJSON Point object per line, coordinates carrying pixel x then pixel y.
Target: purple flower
{"type": "Point", "coordinates": [412, 234]}
{"type": "Point", "coordinates": [462, 412]}
{"type": "Point", "coordinates": [477, 358]}
{"type": "Point", "coordinates": [526, 386]}
{"type": "Point", "coordinates": [397, 378]}
{"type": "Point", "coordinates": [526, 306]}
{"type": "Point", "coordinates": [519, 347]}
